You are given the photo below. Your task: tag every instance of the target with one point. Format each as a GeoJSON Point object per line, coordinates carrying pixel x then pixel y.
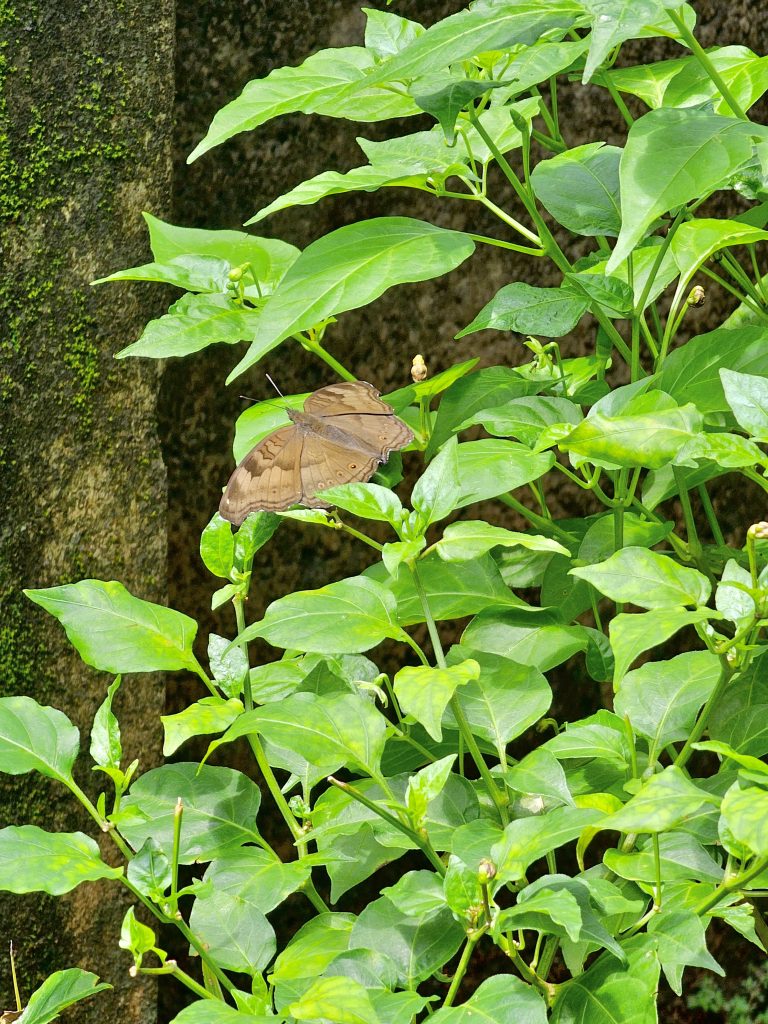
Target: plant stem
{"type": "Point", "coordinates": [461, 968]}
{"type": "Point", "coordinates": [547, 526]}
{"type": "Point", "coordinates": [420, 841]}
{"type": "Point", "coordinates": [737, 882]}
{"type": "Point", "coordinates": [172, 968]}
{"type": "Point", "coordinates": [709, 512]}
{"type": "Point", "coordinates": [458, 712]}
{"type": "Point", "coordinates": [506, 245]}
{"type": "Point", "coordinates": [313, 345]}
{"type": "Point", "coordinates": [726, 672]}
{"type": "Point", "coordinates": [696, 49]}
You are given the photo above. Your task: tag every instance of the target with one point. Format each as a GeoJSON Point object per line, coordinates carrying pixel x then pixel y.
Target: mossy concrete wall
{"type": "Point", "coordinates": [85, 141]}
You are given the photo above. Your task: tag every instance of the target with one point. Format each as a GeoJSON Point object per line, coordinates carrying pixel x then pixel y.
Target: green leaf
{"type": "Point", "coordinates": [437, 490]}
{"type": "Point", "coordinates": [497, 1000]}
{"type": "Point", "coordinates": [671, 157]}
{"type": "Point", "coordinates": [340, 1000]}
{"type": "Point", "coordinates": [425, 786]}
{"type": "Point", "coordinates": [60, 990]}
{"type": "Point", "coordinates": [368, 501]}
{"type": "Point", "coordinates": [614, 21]}
{"type": "Point", "coordinates": [329, 731]}
{"type": "Point", "coordinates": [599, 543]}
{"type": "Point", "coordinates": [646, 578]}
{"type": "Point", "coordinates": [387, 34]}
{"type": "Point", "coordinates": [269, 258]}
{"type": "Point", "coordinates": [106, 748]}
{"type": "Point", "coordinates": [209, 714]}
{"type": "Point", "coordinates": [417, 945]}
{"type": "Point", "coordinates": [229, 666]}
{"type": "Point", "coordinates": [528, 418]}
{"type": "Point", "coordinates": [191, 324]}
{"type": "Point", "coordinates": [485, 389]}
{"type": "Point", "coordinates": [747, 395]}
{"type": "Point", "coordinates": [318, 86]}
{"type": "Point", "coordinates": [526, 840]}
{"type": "Point", "coordinates": [150, 871]}
{"type": "Point", "coordinates": [691, 373]}
{"type": "Point", "coordinates": [546, 911]}
{"type": "Point", "coordinates": [454, 589]}
{"type": "Point", "coordinates": [540, 774]}
{"type": "Point", "coordinates": [261, 419]}
{"type": "Point", "coordinates": [461, 542]}
{"type": "Point", "coordinates": [608, 993]}
{"type": "Point", "coordinates": [580, 189]}
{"type": "Point", "coordinates": [212, 1011]}
{"type": "Point", "coordinates": [520, 307]}
{"type": "Point", "coordinates": [468, 33]}
{"type": "Point", "coordinates": [417, 893]}
{"type": "Point", "coordinates": [535, 64]}
{"type": "Point", "coordinates": [117, 632]}
{"type": "Point", "coordinates": [601, 736]}
{"type": "Point", "coordinates": [313, 947]}
{"type": "Point", "coordinates": [217, 547]}
{"type": "Point", "coordinates": [34, 738]}
{"type": "Point", "coordinates": [347, 617]}
{"type": "Point", "coordinates": [220, 807]}
{"type": "Point", "coordinates": [493, 466]}
{"type": "Point", "coordinates": [731, 601]}
{"type": "Point", "coordinates": [681, 942]}
{"type": "Point", "coordinates": [235, 932]}
{"type": "Point", "coordinates": [32, 860]}
{"type": "Point", "coordinates": [631, 635]}
{"type": "Point", "coordinates": [350, 267]}
{"type": "Point", "coordinates": [744, 818]}
{"type": "Point", "coordinates": [191, 273]}
{"type": "Point", "coordinates": [680, 856]}
{"type": "Point", "coordinates": [650, 440]}
{"type": "Point", "coordinates": [258, 528]}
{"type": "Point", "coordinates": [424, 692]}
{"type": "Point", "coordinates": [136, 937]}
{"type": "Point", "coordinates": [449, 99]}
{"type": "Point", "coordinates": [506, 699]}
{"type": "Point", "coordinates": [662, 698]}
{"type": "Point", "coordinates": [745, 75]}
{"type": "Point", "coordinates": [697, 240]}
{"type": "Point", "coordinates": [663, 802]}
{"type": "Point", "coordinates": [257, 877]}
{"type": "Point", "coordinates": [509, 634]}
{"type": "Point", "coordinates": [612, 293]}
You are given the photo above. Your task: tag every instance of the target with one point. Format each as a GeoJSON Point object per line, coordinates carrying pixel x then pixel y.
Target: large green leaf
{"type": "Point", "coordinates": [650, 440]}
{"type": "Point", "coordinates": [497, 1000]}
{"type": "Point", "coordinates": [461, 542]}
{"type": "Point", "coordinates": [447, 97]}
{"type": "Point", "coordinates": [117, 632]}
{"type": "Point", "coordinates": [520, 638]}
{"type": "Point", "coordinates": [339, 1000]}
{"type": "Point", "coordinates": [528, 418]}
{"type": "Point", "coordinates": [614, 21]}
{"type": "Point", "coordinates": [484, 389]}
{"type": "Point", "coordinates": [631, 635]}
{"type": "Point", "coordinates": [235, 931]}
{"type": "Point", "coordinates": [580, 188]}
{"type": "Point", "coordinates": [697, 240]}
{"type": "Point", "coordinates": [646, 578]}
{"type": "Point", "coordinates": [327, 730]}
{"type": "Point", "coordinates": [506, 699]}
{"type": "Point", "coordinates": [34, 738]}
{"type": "Point", "coordinates": [318, 86]}
{"type": "Point", "coordinates": [747, 396]}
{"type": "Point", "coordinates": [268, 258]}
{"type": "Point", "coordinates": [207, 715]}
{"type": "Point", "coordinates": [537, 63]}
{"type": "Point", "coordinates": [347, 617]}
{"type": "Point", "coordinates": [417, 945]}
{"type": "Point", "coordinates": [494, 466]}
{"type": "Point", "coordinates": [351, 267]}
{"type": "Point", "coordinates": [486, 27]}
{"type": "Point", "coordinates": [520, 307]}
{"type": "Point", "coordinates": [193, 323]}
{"type": "Point", "coordinates": [60, 990]}
{"type": "Point", "coordinates": [219, 810]}
{"type": "Point", "coordinates": [672, 157]}
{"type": "Point", "coordinates": [256, 876]}
{"type": "Point", "coordinates": [745, 819]}
{"type": "Point", "coordinates": [692, 373]}
{"type": "Point", "coordinates": [387, 34]}
{"type": "Point", "coordinates": [681, 942]}
{"type": "Point", "coordinates": [662, 699]}
{"type": "Point", "coordinates": [526, 840]}
{"type": "Point", "coordinates": [424, 692]}
{"type": "Point", "coordinates": [610, 993]}
{"type": "Point", "coordinates": [312, 949]}
{"type": "Point", "coordinates": [213, 1011]}
{"type": "Point", "coordinates": [438, 489]}
{"type": "Point", "coordinates": [32, 860]}
{"type": "Point", "coordinates": [662, 803]}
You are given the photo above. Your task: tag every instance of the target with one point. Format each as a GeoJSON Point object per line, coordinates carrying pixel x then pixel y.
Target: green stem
{"type": "Point", "coordinates": [709, 512]}
{"type": "Point", "coordinates": [657, 870]}
{"type": "Point", "coordinates": [458, 712]}
{"type": "Point", "coordinates": [172, 968]}
{"type": "Point", "coordinates": [617, 98]}
{"type": "Point", "coordinates": [694, 544]}
{"type": "Point", "coordinates": [696, 49]}
{"type": "Point", "coordinates": [739, 275]}
{"type": "Point", "coordinates": [734, 291]}
{"type": "Point", "coordinates": [509, 220]}
{"type": "Point", "coordinates": [421, 842]}
{"type": "Point", "coordinates": [725, 888]}
{"type": "Point", "coordinates": [547, 526]}
{"type": "Point", "coordinates": [499, 243]}
{"type": "Point", "coordinates": [756, 271]}
{"type": "Point", "coordinates": [662, 250]}
{"type": "Point", "coordinates": [461, 969]}
{"type": "Point", "coordinates": [726, 672]}
{"type": "Point", "coordinates": [314, 346]}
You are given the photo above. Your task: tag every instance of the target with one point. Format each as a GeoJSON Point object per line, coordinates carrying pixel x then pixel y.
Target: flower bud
{"type": "Point", "coordinates": [418, 369]}
{"type": "Point", "coordinates": [235, 274]}
{"type": "Point", "coordinates": [486, 871]}
{"type": "Point", "coordinates": [759, 531]}
{"type": "Point", "coordinates": [696, 296]}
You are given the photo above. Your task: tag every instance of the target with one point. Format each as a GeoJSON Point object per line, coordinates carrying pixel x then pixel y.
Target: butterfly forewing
{"type": "Point", "coordinates": [348, 396]}
{"type": "Point", "coordinates": [268, 478]}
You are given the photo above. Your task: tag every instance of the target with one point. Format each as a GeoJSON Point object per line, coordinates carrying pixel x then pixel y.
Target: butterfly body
{"type": "Point", "coordinates": [341, 436]}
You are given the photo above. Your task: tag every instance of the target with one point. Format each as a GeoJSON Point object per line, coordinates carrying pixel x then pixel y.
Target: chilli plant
{"type": "Point", "coordinates": [557, 878]}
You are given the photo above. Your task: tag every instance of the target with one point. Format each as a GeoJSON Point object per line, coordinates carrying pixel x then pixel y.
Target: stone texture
{"type": "Point", "coordinates": [87, 120]}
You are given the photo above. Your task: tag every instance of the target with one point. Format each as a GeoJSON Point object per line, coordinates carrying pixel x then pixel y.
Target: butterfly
{"type": "Point", "coordinates": [343, 433]}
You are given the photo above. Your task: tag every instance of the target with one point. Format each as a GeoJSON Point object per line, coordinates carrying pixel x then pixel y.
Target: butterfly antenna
{"type": "Point", "coordinates": [277, 389]}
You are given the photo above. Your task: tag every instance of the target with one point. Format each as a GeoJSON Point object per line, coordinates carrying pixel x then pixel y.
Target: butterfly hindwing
{"type": "Point", "coordinates": [327, 464]}
{"type": "Point", "coordinates": [268, 478]}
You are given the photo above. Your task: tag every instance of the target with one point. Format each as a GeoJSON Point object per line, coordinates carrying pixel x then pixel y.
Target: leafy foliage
{"type": "Point", "coordinates": [669, 768]}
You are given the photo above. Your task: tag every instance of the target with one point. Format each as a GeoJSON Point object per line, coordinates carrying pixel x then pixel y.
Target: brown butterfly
{"type": "Point", "coordinates": [342, 435]}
